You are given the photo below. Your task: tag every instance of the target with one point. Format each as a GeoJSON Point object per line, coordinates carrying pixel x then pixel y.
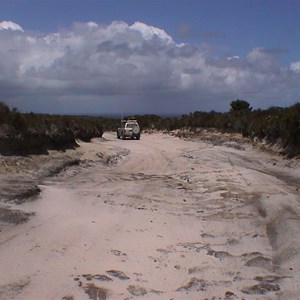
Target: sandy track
{"type": "Point", "coordinates": [159, 218]}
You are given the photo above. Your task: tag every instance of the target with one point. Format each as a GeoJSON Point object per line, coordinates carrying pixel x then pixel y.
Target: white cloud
{"type": "Point", "coordinates": [92, 25]}
{"type": "Point", "coordinates": [137, 66]}
{"type": "Point", "coordinates": [256, 55]}
{"type": "Point", "coordinates": [295, 66]}
{"type": "Point", "coordinates": [233, 57]}
{"type": "Point", "coordinates": [148, 32]}
{"type": "Point", "coordinates": [8, 25]}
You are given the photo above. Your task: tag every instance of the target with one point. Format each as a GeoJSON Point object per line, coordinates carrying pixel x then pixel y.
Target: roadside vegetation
{"type": "Point", "coordinates": [28, 133]}
{"type": "Point", "coordinates": [275, 125]}
{"type": "Point", "coordinates": [25, 133]}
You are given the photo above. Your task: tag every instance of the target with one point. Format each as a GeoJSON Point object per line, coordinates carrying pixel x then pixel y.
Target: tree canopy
{"type": "Point", "coordinates": [240, 106]}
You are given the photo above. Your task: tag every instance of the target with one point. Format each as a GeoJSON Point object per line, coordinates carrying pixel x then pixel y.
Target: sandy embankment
{"type": "Point", "coordinates": [160, 218]}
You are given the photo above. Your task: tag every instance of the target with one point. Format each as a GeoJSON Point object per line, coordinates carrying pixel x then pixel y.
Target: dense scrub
{"type": "Point", "coordinates": [22, 133]}
{"type": "Point", "coordinates": [275, 125]}
{"type": "Point", "coordinates": [28, 133]}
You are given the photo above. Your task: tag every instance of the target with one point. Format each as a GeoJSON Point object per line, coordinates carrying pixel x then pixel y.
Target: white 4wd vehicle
{"type": "Point", "coordinates": [130, 129]}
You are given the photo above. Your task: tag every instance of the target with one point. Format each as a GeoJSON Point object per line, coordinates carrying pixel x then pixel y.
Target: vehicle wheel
{"type": "Point", "coordinates": [138, 137]}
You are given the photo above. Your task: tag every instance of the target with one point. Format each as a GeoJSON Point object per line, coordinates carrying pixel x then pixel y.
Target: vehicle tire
{"type": "Point", "coordinates": [137, 137]}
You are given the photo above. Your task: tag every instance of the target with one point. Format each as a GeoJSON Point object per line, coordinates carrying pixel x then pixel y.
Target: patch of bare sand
{"type": "Point", "coordinates": [159, 218]}
{"type": "Point", "coordinates": [21, 175]}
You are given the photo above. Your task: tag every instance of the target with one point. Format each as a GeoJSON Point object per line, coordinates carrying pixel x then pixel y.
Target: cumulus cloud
{"type": "Point", "coordinates": [4, 25]}
{"type": "Point", "coordinates": [295, 66]}
{"type": "Point", "coordinates": [136, 68]}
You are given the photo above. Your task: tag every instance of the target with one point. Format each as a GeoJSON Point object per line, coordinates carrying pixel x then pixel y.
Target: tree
{"type": "Point", "coordinates": [240, 106]}
{"type": "Point", "coordinates": [239, 116]}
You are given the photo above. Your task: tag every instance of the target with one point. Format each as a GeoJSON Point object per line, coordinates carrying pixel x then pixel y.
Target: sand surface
{"type": "Point", "coordinates": [159, 218]}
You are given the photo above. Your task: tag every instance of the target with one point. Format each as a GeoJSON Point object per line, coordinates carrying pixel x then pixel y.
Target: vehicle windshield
{"type": "Point", "coordinates": [131, 125]}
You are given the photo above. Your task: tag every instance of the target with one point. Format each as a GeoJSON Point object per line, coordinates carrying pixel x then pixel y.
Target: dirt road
{"type": "Point", "coordinates": [159, 218]}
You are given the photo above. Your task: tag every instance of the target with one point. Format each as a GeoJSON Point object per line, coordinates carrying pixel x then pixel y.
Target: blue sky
{"type": "Point", "coordinates": [203, 55]}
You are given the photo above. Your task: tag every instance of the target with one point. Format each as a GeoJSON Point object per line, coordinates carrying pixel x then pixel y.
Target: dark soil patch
{"type": "Point", "coordinates": [102, 278]}
{"type": "Point", "coordinates": [219, 254]}
{"type": "Point", "coordinates": [230, 296]}
{"type": "Point", "coordinates": [10, 291]}
{"type": "Point", "coordinates": [261, 288]}
{"type": "Point", "coordinates": [14, 216]}
{"type": "Point", "coordinates": [118, 274]}
{"type": "Point", "coordinates": [268, 278]}
{"type": "Point", "coordinates": [136, 290]}
{"type": "Point", "coordinates": [94, 292]}
{"type": "Point", "coordinates": [19, 192]}
{"type": "Point", "coordinates": [260, 262]}
{"type": "Point", "coordinates": [194, 284]}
